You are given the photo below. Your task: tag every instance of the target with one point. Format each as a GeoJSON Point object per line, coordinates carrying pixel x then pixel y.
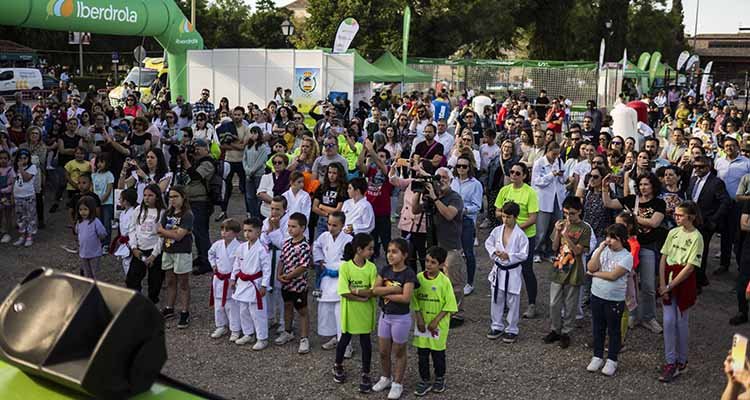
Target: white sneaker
{"type": "Point", "coordinates": [280, 329]}
{"type": "Point", "coordinates": [21, 240]}
{"type": "Point", "coordinates": [485, 224]}
{"type": "Point", "coordinates": [476, 242]}
{"type": "Point", "coordinates": [382, 384]}
{"type": "Point", "coordinates": [260, 345]}
{"type": "Point", "coordinates": [396, 389]}
{"type": "Point", "coordinates": [284, 338]}
{"type": "Point", "coordinates": [304, 346]}
{"type": "Point", "coordinates": [105, 250]}
{"type": "Point", "coordinates": [234, 336]}
{"type": "Point", "coordinates": [6, 239]}
{"type": "Point", "coordinates": [530, 311]}
{"type": "Point", "coordinates": [331, 344]}
{"type": "Point", "coordinates": [595, 364]}
{"type": "Point", "coordinates": [537, 259]}
{"type": "Point", "coordinates": [115, 224]}
{"type": "Point", "coordinates": [348, 352]}
{"type": "Point", "coordinates": [244, 340]}
{"type": "Point", "coordinates": [29, 241]}
{"type": "Point", "coordinates": [468, 289]}
{"type": "Point", "coordinates": [653, 326]}
{"type": "Point", "coordinates": [609, 368]}
{"type": "Point", "coordinates": [219, 332]}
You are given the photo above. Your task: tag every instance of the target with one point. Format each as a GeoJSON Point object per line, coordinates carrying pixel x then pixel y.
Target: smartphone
{"type": "Point", "coordinates": [739, 352]}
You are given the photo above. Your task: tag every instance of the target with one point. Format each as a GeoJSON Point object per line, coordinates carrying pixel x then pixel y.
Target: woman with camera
{"type": "Point", "coordinates": [156, 171]}
{"type": "Point", "coordinates": [413, 226]}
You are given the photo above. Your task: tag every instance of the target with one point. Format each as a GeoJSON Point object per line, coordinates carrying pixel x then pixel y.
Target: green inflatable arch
{"type": "Point", "coordinates": [161, 19]}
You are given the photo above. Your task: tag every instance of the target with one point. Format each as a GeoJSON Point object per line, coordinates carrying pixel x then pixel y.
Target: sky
{"type": "Point", "coordinates": [716, 16]}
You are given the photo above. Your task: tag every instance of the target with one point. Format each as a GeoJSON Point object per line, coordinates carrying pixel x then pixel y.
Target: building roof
{"type": "Point", "coordinates": [7, 46]}
{"type": "Point", "coordinates": [299, 8]}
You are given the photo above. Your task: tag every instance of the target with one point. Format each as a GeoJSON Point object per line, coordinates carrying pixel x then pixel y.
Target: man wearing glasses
{"type": "Point", "coordinates": [710, 193]}
{"type": "Point", "coordinates": [204, 105]}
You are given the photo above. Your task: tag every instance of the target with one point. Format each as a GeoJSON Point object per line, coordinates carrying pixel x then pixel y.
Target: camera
{"type": "Point", "coordinates": [419, 184]}
{"type": "Point", "coordinates": [186, 148]}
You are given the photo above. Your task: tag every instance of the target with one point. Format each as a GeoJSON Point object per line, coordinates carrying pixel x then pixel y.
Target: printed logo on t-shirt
{"type": "Point", "coordinates": [390, 283]}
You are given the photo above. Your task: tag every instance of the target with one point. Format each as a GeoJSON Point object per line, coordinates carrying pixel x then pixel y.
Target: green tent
{"type": "Point", "coordinates": [634, 72]}
{"type": "Point", "coordinates": [366, 72]}
{"type": "Point", "coordinates": [398, 72]}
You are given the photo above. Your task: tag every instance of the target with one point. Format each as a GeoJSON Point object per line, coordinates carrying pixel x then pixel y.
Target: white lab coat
{"type": "Point", "coordinates": [251, 260]}
{"type": "Point", "coordinates": [518, 251]}
{"type": "Point", "coordinates": [330, 251]}
{"type": "Point", "coordinates": [548, 185]}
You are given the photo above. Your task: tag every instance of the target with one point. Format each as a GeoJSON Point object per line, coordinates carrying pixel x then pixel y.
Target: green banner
{"type": "Point", "coordinates": [405, 39]}
{"type": "Point", "coordinates": [504, 63]}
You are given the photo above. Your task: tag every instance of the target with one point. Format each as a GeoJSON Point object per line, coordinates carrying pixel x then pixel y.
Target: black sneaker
{"type": "Point", "coordinates": [167, 313]}
{"type": "Point", "coordinates": [54, 208]}
{"type": "Point", "coordinates": [738, 319]}
{"type": "Point", "coordinates": [719, 271]}
{"type": "Point", "coordinates": [184, 320]}
{"type": "Point", "coordinates": [564, 341]}
{"type": "Point", "coordinates": [509, 337]}
{"type": "Point", "coordinates": [551, 337]}
{"type": "Point", "coordinates": [339, 376]}
{"type": "Point", "coordinates": [439, 385]}
{"type": "Point", "coordinates": [494, 334]}
{"type": "Point", "coordinates": [422, 388]}
{"type": "Point", "coordinates": [365, 384]}
{"type": "Point", "coordinates": [455, 322]}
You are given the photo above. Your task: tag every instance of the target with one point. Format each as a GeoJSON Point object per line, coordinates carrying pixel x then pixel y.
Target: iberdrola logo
{"type": "Point", "coordinates": [186, 26]}
{"type": "Point", "coordinates": [60, 8]}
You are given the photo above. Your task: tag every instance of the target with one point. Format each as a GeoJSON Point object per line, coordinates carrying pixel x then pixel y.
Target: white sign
{"type": "Point", "coordinates": [681, 59]}
{"type": "Point", "coordinates": [79, 38]}
{"type": "Point", "coordinates": [344, 36]}
{"type": "Point", "coordinates": [691, 61]}
{"type": "Point", "coordinates": [706, 76]}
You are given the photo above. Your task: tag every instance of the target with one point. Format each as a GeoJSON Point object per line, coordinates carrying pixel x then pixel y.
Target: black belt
{"type": "Point", "coordinates": [497, 278]}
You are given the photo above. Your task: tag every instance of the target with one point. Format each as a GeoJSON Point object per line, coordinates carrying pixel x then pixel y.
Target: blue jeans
{"type": "Point", "coordinates": [252, 202]}
{"type": "Point", "coordinates": [108, 212]}
{"type": "Point", "coordinates": [648, 265]}
{"type": "Point", "coordinates": [545, 222]}
{"type": "Point", "coordinates": [468, 233]}
{"type": "Point", "coordinates": [322, 226]}
{"type": "Point", "coordinates": [202, 211]}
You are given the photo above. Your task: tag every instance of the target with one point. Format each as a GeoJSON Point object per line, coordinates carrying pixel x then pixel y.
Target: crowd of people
{"type": "Point", "coordinates": [622, 206]}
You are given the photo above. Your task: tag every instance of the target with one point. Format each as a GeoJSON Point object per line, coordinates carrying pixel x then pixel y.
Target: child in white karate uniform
{"type": "Point", "coordinates": [251, 276]}
{"type": "Point", "coordinates": [507, 247]}
{"type": "Point", "coordinates": [297, 199]}
{"type": "Point", "coordinates": [221, 255]}
{"type": "Point", "coordinates": [328, 251]}
{"type": "Point", "coordinates": [128, 201]}
{"type": "Point", "coordinates": [273, 235]}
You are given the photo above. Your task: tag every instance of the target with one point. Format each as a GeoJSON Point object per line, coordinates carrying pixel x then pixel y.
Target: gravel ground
{"type": "Point", "coordinates": [477, 367]}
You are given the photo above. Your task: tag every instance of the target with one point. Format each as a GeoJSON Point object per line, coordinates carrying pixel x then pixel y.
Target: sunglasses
{"type": "Point", "coordinates": [518, 173]}
{"type": "Point", "coordinates": [595, 176]}
{"type": "Point", "coordinates": [278, 163]}
{"type": "Point", "coordinates": [330, 145]}
{"type": "Point", "coordinates": [204, 94]}
{"type": "Point", "coordinates": [616, 142]}
{"type": "Point", "coordinates": [462, 166]}
{"type": "Point", "coordinates": [598, 162]}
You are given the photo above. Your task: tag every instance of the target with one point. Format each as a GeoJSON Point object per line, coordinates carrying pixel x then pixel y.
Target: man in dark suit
{"type": "Point", "coordinates": [712, 198]}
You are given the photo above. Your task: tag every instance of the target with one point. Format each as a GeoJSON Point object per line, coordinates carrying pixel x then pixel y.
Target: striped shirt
{"type": "Point", "coordinates": [293, 256]}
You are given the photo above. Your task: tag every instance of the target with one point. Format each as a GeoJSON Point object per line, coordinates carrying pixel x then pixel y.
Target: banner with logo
{"type": "Point", "coordinates": [307, 88]}
{"type": "Point", "coordinates": [706, 76]}
{"type": "Point", "coordinates": [683, 57]}
{"type": "Point", "coordinates": [602, 47]}
{"type": "Point", "coordinates": [405, 39]}
{"type": "Point", "coordinates": [348, 28]}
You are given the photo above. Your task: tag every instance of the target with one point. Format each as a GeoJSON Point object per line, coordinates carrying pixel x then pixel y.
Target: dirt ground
{"type": "Point", "coordinates": [476, 366]}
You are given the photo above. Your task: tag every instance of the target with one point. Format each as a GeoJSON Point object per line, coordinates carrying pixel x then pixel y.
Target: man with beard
{"type": "Point", "coordinates": [430, 151]}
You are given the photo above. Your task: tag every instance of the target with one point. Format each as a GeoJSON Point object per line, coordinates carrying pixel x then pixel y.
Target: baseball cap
{"type": "Point", "coordinates": [200, 143]}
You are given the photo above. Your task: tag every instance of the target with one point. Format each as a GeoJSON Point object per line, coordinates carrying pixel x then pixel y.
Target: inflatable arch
{"type": "Point", "coordinates": [161, 19]}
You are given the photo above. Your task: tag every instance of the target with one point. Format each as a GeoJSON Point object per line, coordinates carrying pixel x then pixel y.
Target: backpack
{"type": "Point", "coordinates": [215, 184]}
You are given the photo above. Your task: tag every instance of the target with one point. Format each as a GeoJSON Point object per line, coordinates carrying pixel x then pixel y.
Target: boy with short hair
{"type": "Point", "coordinates": [508, 248]}
{"type": "Point", "coordinates": [292, 273]}
{"type": "Point", "coordinates": [432, 303]}
{"type": "Point", "coordinates": [222, 256]}
{"type": "Point", "coordinates": [251, 278]}
{"type": "Point", "coordinates": [571, 239]}
{"type": "Point", "coordinates": [273, 235]}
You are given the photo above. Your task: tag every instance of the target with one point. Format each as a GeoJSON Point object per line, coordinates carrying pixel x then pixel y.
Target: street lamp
{"type": "Point", "coordinates": [287, 29]}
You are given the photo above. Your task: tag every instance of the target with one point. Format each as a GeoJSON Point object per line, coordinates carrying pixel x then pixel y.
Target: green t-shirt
{"type": "Point", "coordinates": [346, 152]}
{"type": "Point", "coordinates": [430, 298]}
{"type": "Point", "coordinates": [357, 317]}
{"type": "Point", "coordinates": [526, 199]}
{"type": "Point", "coordinates": [683, 248]}
{"type": "Point", "coordinates": [568, 268]}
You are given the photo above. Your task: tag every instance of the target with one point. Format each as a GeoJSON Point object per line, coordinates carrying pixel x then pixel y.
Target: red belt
{"type": "Point", "coordinates": [684, 293]}
{"type": "Point", "coordinates": [245, 277]}
{"type": "Point", "coordinates": [225, 290]}
{"type": "Point", "coordinates": [117, 242]}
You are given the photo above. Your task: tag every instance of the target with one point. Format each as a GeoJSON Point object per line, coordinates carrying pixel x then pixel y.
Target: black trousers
{"type": "Point", "coordinates": [700, 274]}
{"type": "Point", "coordinates": [417, 248]}
{"type": "Point", "coordinates": [139, 269]}
{"type": "Point", "coordinates": [381, 234]}
{"type": "Point", "coordinates": [742, 280]}
{"type": "Point", "coordinates": [234, 168]}
{"type": "Point", "coordinates": [730, 237]}
{"type": "Point", "coordinates": [365, 345]}
{"type": "Point", "coordinates": [40, 209]}
{"type": "Point", "coordinates": [438, 361]}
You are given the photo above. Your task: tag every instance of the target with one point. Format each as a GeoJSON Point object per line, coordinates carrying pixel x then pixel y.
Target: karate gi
{"type": "Point", "coordinates": [300, 203]}
{"type": "Point", "coordinates": [506, 284]}
{"type": "Point", "coordinates": [226, 309]}
{"type": "Point", "coordinates": [329, 251]}
{"type": "Point", "coordinates": [273, 241]}
{"type": "Point", "coordinates": [252, 270]}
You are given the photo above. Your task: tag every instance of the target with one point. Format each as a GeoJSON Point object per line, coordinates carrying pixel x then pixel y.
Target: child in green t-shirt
{"type": "Point", "coordinates": [571, 239]}
{"type": "Point", "coordinates": [432, 302]}
{"type": "Point", "coordinates": [357, 276]}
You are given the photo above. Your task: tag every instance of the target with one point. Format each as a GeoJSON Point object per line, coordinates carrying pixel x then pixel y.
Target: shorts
{"type": "Point", "coordinates": [298, 299]}
{"type": "Point", "coordinates": [395, 327]}
{"type": "Point", "coordinates": [179, 263]}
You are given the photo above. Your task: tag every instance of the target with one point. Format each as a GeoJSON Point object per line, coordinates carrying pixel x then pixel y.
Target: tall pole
{"type": "Point", "coordinates": [80, 53]}
{"type": "Point", "coordinates": [695, 29]}
{"type": "Point", "coordinates": [192, 13]}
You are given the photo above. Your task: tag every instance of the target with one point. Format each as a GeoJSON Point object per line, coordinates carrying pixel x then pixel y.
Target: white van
{"type": "Point", "coordinates": [15, 79]}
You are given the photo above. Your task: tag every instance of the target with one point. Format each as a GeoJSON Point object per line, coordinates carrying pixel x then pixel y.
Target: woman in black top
{"type": "Point", "coordinates": [649, 211]}
{"type": "Point", "coordinates": [330, 196]}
